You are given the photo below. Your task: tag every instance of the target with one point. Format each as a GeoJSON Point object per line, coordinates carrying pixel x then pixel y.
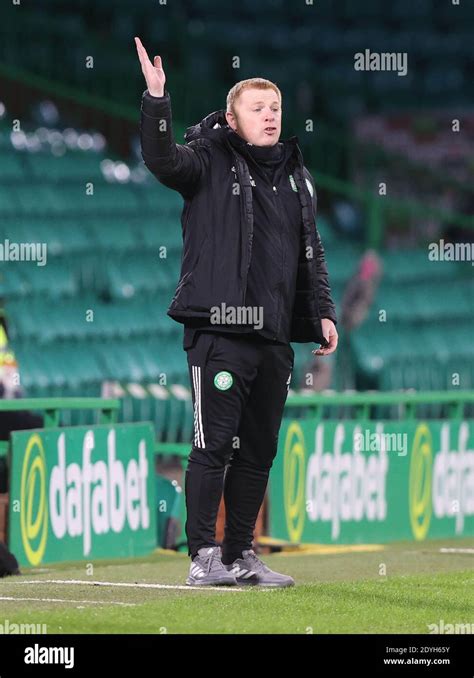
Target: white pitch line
{"type": "Point", "coordinates": [137, 586]}
{"type": "Point", "coordinates": [453, 550]}
{"type": "Point", "coordinates": [64, 600]}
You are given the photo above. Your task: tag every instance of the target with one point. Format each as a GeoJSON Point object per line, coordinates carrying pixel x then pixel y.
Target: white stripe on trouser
{"type": "Point", "coordinates": [198, 429]}
{"type": "Point", "coordinates": [195, 410]}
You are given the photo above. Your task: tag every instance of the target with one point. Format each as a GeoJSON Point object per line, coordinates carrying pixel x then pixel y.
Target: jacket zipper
{"type": "Point", "coordinates": [278, 209]}
{"type": "Point", "coordinates": [248, 249]}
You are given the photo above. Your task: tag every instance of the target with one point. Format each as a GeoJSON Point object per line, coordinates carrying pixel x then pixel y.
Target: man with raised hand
{"type": "Point", "coordinates": [253, 278]}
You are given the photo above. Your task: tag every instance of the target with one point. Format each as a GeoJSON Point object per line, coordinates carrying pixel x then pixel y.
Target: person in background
{"type": "Point", "coordinates": [360, 291]}
{"type": "Point", "coordinates": [10, 389]}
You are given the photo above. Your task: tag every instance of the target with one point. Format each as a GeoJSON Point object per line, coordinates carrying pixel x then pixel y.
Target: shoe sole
{"type": "Point", "coordinates": [223, 582]}
{"type": "Point", "coordinates": [276, 586]}
{"type": "Point", "coordinates": [246, 582]}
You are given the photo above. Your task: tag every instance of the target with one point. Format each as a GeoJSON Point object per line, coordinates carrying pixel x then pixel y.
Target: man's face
{"type": "Point", "coordinates": [257, 117]}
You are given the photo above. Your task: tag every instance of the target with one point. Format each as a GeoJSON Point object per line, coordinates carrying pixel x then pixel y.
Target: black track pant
{"type": "Point", "coordinates": [239, 386]}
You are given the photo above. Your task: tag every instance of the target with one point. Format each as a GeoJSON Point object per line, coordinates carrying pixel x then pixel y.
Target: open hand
{"type": "Point", "coordinates": [154, 73]}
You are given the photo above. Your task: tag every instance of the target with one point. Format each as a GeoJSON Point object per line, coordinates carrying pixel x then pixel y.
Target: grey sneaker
{"type": "Point", "coordinates": [260, 573]}
{"type": "Point", "coordinates": [207, 569]}
{"type": "Point", "coordinates": [242, 573]}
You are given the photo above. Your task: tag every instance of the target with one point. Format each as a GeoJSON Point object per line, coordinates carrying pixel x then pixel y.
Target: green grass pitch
{"type": "Point", "coordinates": [401, 588]}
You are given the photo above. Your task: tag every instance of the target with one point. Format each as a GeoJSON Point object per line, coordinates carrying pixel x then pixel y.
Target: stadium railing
{"type": "Point", "coordinates": [347, 405]}
{"type": "Point", "coordinates": [51, 408]}
{"type": "Point", "coordinates": [363, 405]}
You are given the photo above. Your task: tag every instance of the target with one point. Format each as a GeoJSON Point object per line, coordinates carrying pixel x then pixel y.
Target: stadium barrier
{"type": "Point", "coordinates": [80, 492]}
{"type": "Point", "coordinates": [404, 449]}
{"type": "Point", "coordinates": [351, 470]}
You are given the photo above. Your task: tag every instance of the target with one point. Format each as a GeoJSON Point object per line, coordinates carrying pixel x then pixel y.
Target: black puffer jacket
{"type": "Point", "coordinates": [217, 219]}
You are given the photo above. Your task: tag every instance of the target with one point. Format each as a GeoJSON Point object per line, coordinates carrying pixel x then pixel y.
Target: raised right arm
{"type": "Point", "coordinates": [175, 165]}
